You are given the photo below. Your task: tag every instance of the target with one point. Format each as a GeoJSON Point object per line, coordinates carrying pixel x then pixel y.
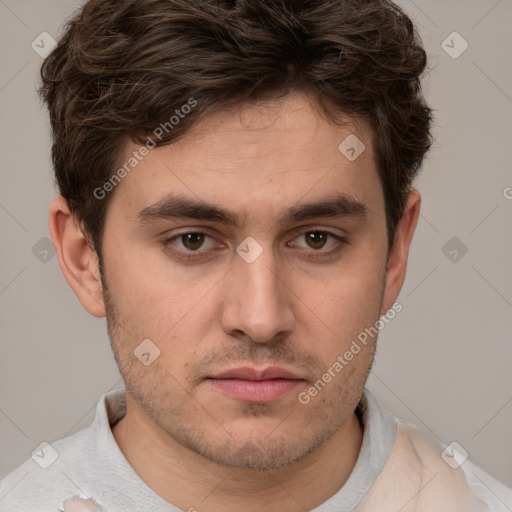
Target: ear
{"type": "Point", "coordinates": [397, 262]}
{"type": "Point", "coordinates": [77, 258]}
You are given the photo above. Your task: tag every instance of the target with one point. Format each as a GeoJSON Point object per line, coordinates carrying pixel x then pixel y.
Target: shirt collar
{"type": "Point", "coordinates": [379, 434]}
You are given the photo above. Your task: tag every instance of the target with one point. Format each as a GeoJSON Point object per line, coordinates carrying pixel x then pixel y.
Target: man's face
{"type": "Point", "coordinates": [297, 306]}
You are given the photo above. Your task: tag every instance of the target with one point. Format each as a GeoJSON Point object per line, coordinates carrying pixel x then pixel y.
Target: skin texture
{"type": "Point", "coordinates": [293, 306]}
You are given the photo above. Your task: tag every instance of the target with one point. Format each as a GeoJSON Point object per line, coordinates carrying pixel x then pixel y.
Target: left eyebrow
{"type": "Point", "coordinates": [180, 207]}
{"type": "Point", "coordinates": [337, 206]}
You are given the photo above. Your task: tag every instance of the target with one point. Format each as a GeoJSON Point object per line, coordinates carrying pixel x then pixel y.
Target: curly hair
{"type": "Point", "coordinates": [122, 67]}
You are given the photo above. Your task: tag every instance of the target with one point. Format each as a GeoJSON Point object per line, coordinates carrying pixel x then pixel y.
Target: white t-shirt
{"type": "Point", "coordinates": [399, 468]}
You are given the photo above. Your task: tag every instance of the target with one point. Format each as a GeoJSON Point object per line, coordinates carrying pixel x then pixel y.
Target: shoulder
{"type": "Point", "coordinates": [417, 477]}
{"type": "Point", "coordinates": [80, 465]}
{"type": "Point", "coordinates": [47, 477]}
{"type": "Point", "coordinates": [491, 490]}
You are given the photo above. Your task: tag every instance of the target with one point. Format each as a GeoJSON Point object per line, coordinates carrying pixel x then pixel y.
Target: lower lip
{"type": "Point", "coordinates": [257, 391]}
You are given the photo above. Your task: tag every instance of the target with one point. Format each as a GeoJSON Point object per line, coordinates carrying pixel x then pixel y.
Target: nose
{"type": "Point", "coordinates": [259, 300]}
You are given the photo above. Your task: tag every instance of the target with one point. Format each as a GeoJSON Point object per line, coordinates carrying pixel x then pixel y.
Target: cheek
{"type": "Point", "coordinates": [355, 285]}
{"type": "Point", "coordinates": [343, 307]}
{"type": "Point", "coordinates": [347, 311]}
{"type": "Point", "coordinates": [170, 310]}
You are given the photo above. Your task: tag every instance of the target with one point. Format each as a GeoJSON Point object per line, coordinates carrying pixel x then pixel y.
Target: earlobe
{"type": "Point", "coordinates": [77, 257]}
{"type": "Point", "coordinates": [397, 262]}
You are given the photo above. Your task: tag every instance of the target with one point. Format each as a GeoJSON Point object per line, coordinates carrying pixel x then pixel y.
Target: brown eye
{"type": "Point", "coordinates": [193, 241]}
{"type": "Point", "coordinates": [190, 242]}
{"type": "Point", "coordinates": [319, 244]}
{"type": "Point", "coordinates": [316, 239]}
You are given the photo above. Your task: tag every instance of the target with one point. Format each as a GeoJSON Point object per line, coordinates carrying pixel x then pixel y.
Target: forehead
{"type": "Point", "coordinates": [262, 155]}
{"type": "Point", "coordinates": [269, 129]}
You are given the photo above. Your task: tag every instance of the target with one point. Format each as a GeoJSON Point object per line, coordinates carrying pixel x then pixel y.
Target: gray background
{"type": "Point", "coordinates": [443, 363]}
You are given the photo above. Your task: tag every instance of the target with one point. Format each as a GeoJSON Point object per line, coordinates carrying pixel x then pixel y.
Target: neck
{"type": "Point", "coordinates": [190, 482]}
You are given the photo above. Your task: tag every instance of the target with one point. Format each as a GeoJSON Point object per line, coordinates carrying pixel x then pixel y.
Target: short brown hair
{"type": "Point", "coordinates": [122, 68]}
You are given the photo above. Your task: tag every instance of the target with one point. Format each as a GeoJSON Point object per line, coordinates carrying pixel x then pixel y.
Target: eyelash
{"type": "Point", "coordinates": [195, 255]}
